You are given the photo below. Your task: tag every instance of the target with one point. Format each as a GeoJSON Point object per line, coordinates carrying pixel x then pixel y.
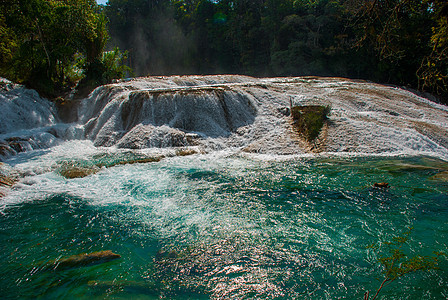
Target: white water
{"type": "Point", "coordinates": [222, 112]}
{"type": "Point", "coordinates": [28, 122]}
{"type": "Point", "coordinates": [232, 112]}
{"type": "Point", "coordinates": [252, 223]}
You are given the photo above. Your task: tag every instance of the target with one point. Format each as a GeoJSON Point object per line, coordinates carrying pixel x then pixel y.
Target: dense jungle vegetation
{"type": "Point", "coordinates": [52, 44]}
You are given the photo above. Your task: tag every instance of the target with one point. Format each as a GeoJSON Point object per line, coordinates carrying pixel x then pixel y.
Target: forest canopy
{"type": "Point", "coordinates": [49, 44]}
{"type": "Point", "coordinates": [402, 42]}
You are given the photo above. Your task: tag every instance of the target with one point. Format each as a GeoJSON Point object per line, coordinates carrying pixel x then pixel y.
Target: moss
{"type": "Point", "coordinates": [309, 119]}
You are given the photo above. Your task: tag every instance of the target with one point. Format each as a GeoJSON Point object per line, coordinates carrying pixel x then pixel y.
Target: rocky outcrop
{"type": "Point", "coordinates": [253, 115]}
{"type": "Point", "coordinates": [21, 108]}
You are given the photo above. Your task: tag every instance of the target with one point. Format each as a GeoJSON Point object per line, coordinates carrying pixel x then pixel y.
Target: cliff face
{"type": "Point", "coordinates": [217, 112]}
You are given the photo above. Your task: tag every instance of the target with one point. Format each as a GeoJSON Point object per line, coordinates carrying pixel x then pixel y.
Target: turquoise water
{"type": "Point", "coordinates": [225, 227]}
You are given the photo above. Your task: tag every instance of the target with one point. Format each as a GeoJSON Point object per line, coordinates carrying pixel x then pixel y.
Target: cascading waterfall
{"type": "Point", "coordinates": [230, 111]}
{"type": "Point", "coordinates": [204, 189]}
{"type": "Point", "coordinates": [144, 117]}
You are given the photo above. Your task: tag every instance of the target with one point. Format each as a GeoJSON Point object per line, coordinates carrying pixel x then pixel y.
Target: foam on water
{"type": "Point", "coordinates": [257, 212]}
{"type": "Point", "coordinates": [21, 108]}
{"type": "Point", "coordinates": [223, 225]}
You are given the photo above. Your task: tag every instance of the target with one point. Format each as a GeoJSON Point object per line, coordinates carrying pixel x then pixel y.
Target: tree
{"type": "Point", "coordinates": [408, 37]}
{"type": "Point", "coordinates": [44, 39]}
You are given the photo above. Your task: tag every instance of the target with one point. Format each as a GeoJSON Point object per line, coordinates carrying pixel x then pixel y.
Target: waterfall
{"type": "Point", "coordinates": [28, 121]}
{"type": "Point", "coordinates": [231, 112]}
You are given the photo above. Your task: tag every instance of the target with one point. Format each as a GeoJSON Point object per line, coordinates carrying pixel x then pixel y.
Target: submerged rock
{"type": "Point", "coordinates": [85, 259]}
{"type": "Point", "coordinates": [381, 185]}
{"type": "Point", "coordinates": [442, 176]}
{"type": "Point", "coordinates": [92, 165]}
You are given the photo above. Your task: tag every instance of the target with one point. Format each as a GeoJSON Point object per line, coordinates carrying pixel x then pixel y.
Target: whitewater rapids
{"type": "Point", "coordinates": [237, 112]}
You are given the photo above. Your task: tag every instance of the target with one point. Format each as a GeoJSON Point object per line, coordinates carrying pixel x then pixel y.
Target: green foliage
{"type": "Point", "coordinates": [309, 120]}
{"type": "Point", "coordinates": [396, 263]}
{"type": "Point", "coordinates": [104, 69]}
{"type": "Point", "coordinates": [42, 41]}
{"type": "Point", "coordinates": [408, 37]}
{"type": "Point", "coordinates": [398, 41]}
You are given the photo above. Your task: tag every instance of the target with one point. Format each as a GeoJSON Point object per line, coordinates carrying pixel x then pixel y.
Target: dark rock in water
{"type": "Point", "coordinates": [85, 259]}
{"type": "Point", "coordinates": [137, 160]}
{"type": "Point", "coordinates": [381, 185]}
{"type": "Point", "coordinates": [442, 176]}
{"type": "Point", "coordinates": [6, 150]}
{"type": "Point", "coordinates": [67, 109]}
{"type": "Point", "coordinates": [6, 181]}
{"type": "Point", "coordinates": [186, 152]}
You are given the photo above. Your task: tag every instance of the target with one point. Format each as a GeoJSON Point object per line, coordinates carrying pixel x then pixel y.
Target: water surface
{"type": "Point", "coordinates": [222, 226]}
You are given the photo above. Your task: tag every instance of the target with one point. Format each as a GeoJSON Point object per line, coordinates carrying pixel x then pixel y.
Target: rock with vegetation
{"type": "Point", "coordinates": [309, 120]}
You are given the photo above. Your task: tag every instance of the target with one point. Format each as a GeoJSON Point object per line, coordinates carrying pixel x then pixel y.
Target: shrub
{"type": "Point", "coordinates": [310, 119]}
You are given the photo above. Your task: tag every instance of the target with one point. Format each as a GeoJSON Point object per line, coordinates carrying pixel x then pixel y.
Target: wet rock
{"type": "Point", "coordinates": [137, 160]}
{"type": "Point", "coordinates": [19, 144]}
{"type": "Point", "coordinates": [186, 152]}
{"type": "Point", "coordinates": [67, 109]}
{"type": "Point", "coordinates": [7, 178]}
{"type": "Point", "coordinates": [284, 111]}
{"type": "Point", "coordinates": [442, 176]}
{"type": "Point", "coordinates": [192, 138]}
{"type": "Point", "coordinates": [85, 259]}
{"type": "Point", "coordinates": [5, 150]}
{"type": "Point", "coordinates": [381, 185]}
{"type": "Point", "coordinates": [148, 136]}
{"type": "Point", "coordinates": [71, 171]}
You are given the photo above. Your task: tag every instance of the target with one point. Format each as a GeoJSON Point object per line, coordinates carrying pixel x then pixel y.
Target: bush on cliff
{"type": "Point", "coordinates": [309, 120]}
